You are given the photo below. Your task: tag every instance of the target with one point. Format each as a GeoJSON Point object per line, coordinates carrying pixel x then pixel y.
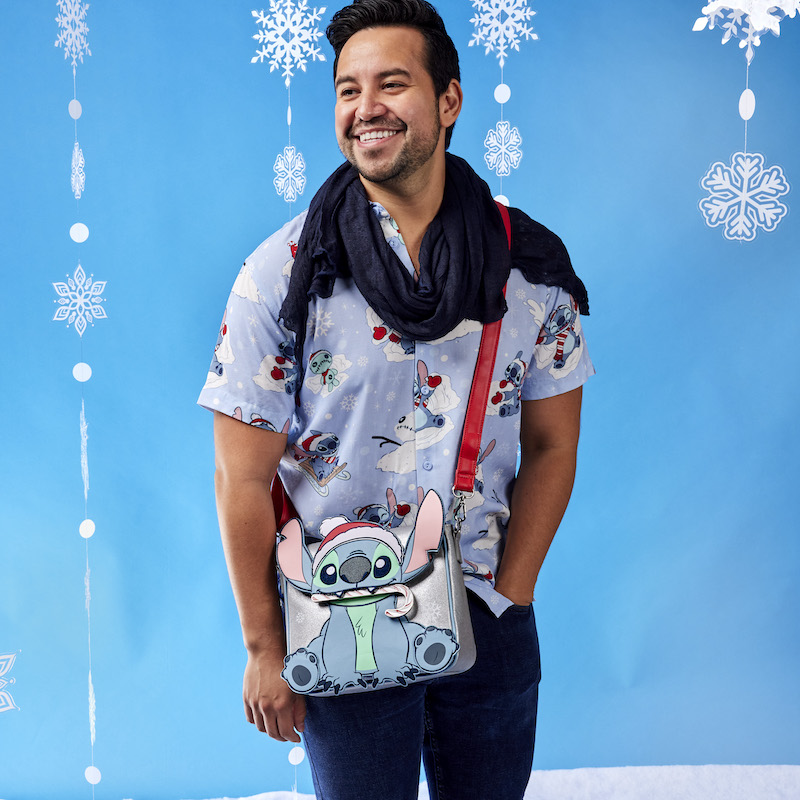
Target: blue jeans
{"type": "Point", "coordinates": [474, 731]}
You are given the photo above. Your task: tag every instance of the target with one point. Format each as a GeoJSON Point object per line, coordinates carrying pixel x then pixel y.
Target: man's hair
{"type": "Point", "coordinates": [441, 53]}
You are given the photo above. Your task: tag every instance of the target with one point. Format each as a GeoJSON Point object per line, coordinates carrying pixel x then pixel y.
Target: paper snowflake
{"type": "Point", "coordinates": [78, 179]}
{"type": "Point", "coordinates": [746, 20]}
{"type": "Point", "coordinates": [744, 196]}
{"type": "Point", "coordinates": [79, 301]}
{"type": "Point", "coordinates": [72, 37]}
{"type": "Point", "coordinates": [290, 174]}
{"type": "Point", "coordinates": [6, 700]}
{"type": "Point", "coordinates": [288, 36]}
{"type": "Point", "coordinates": [503, 151]}
{"type": "Point", "coordinates": [501, 25]}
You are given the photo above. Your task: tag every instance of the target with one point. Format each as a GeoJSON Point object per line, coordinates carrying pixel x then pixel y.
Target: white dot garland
{"type": "Point", "coordinates": [92, 775]}
{"type": "Point", "coordinates": [79, 302]}
{"type": "Point", "coordinates": [82, 372]}
{"type": "Point", "coordinates": [502, 93]}
{"type": "Point", "coordinates": [79, 232]}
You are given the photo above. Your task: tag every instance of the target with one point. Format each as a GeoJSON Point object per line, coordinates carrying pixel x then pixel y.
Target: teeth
{"type": "Point", "coordinates": [368, 137]}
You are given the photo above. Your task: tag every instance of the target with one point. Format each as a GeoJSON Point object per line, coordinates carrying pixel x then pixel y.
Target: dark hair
{"type": "Point", "coordinates": [442, 57]}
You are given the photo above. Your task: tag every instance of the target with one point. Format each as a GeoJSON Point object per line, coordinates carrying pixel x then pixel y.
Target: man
{"type": "Point", "coordinates": [345, 361]}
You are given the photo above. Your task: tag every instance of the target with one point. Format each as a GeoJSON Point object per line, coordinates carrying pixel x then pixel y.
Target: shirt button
{"type": "Point", "coordinates": [427, 465]}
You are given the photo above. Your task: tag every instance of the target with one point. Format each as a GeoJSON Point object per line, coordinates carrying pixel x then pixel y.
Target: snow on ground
{"type": "Point", "coordinates": [643, 783]}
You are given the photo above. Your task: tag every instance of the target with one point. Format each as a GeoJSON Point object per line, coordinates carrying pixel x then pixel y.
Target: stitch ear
{"type": "Point", "coordinates": [293, 556]}
{"type": "Point", "coordinates": [426, 536]}
{"type": "Point", "coordinates": [391, 500]}
{"type": "Point", "coordinates": [489, 448]}
{"type": "Point", "coordinates": [422, 371]}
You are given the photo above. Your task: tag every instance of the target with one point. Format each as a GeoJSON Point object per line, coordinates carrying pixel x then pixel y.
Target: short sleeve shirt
{"type": "Point", "coordinates": [376, 421]}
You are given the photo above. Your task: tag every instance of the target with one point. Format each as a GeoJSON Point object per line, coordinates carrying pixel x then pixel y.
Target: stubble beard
{"type": "Point", "coordinates": [414, 154]}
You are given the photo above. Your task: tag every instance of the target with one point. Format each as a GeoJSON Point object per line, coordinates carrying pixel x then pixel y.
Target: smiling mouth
{"type": "Point", "coordinates": [371, 136]}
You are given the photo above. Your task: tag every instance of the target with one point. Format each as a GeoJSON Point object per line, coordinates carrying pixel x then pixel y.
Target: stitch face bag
{"type": "Point", "coordinates": [365, 609]}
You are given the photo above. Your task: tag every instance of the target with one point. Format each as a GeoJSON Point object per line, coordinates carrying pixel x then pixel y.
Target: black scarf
{"type": "Point", "coordinates": [464, 260]}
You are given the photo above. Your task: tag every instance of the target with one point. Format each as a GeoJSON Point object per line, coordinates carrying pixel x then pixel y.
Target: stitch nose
{"type": "Point", "coordinates": [355, 569]}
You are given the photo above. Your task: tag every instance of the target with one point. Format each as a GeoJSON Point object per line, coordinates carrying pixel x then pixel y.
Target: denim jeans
{"type": "Point", "coordinates": [474, 731]}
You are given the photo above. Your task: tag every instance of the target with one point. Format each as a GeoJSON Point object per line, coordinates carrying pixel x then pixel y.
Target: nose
{"type": "Point", "coordinates": [355, 569]}
{"type": "Point", "coordinates": [369, 105]}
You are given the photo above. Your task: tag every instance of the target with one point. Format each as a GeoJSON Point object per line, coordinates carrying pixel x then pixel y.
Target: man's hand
{"type": "Point", "coordinates": [269, 703]}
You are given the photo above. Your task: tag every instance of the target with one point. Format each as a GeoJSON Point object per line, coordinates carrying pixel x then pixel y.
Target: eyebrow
{"type": "Point", "coordinates": [387, 73]}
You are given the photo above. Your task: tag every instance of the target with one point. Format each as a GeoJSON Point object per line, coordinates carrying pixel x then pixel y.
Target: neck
{"type": "Point", "coordinates": [413, 203]}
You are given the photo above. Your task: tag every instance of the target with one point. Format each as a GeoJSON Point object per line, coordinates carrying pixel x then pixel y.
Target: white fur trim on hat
{"type": "Point", "coordinates": [343, 531]}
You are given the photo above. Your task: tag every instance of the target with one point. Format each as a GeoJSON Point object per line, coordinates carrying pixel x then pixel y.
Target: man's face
{"type": "Point", "coordinates": [387, 114]}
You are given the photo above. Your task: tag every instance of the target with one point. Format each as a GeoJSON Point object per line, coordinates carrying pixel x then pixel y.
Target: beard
{"type": "Point", "coordinates": [417, 149]}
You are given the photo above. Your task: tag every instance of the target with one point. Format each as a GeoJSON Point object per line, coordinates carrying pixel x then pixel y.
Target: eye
{"type": "Point", "coordinates": [382, 567]}
{"type": "Point", "coordinates": [328, 575]}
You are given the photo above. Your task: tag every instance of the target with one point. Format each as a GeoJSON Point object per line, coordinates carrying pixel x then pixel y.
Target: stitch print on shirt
{"type": "Point", "coordinates": [504, 395]}
{"type": "Point", "coordinates": [559, 341]}
{"type": "Point", "coordinates": [428, 425]}
{"type": "Point", "coordinates": [223, 354]}
{"type": "Point", "coordinates": [326, 371]}
{"type": "Point", "coordinates": [278, 373]}
{"type": "Point", "coordinates": [317, 457]}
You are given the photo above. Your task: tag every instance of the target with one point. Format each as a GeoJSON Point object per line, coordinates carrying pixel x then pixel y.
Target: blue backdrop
{"type": "Point", "coordinates": [668, 607]}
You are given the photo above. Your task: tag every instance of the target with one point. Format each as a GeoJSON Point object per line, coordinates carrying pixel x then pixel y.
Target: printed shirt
{"type": "Point", "coordinates": [377, 420]}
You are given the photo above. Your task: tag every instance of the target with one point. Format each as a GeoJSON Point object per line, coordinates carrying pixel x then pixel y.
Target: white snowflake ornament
{"type": "Point", "coordinates": [6, 700]}
{"type": "Point", "coordinates": [746, 20]}
{"type": "Point", "coordinates": [290, 174]}
{"type": "Point", "coordinates": [72, 36]}
{"type": "Point", "coordinates": [288, 36]}
{"type": "Point", "coordinates": [79, 301]}
{"type": "Point", "coordinates": [500, 25]}
{"type": "Point", "coordinates": [503, 149]}
{"type": "Point", "coordinates": [744, 196]}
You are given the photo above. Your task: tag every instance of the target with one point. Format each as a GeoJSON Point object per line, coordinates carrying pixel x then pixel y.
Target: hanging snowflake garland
{"type": "Point", "coordinates": [290, 174]}
{"type": "Point", "coordinates": [78, 178]}
{"type": "Point", "coordinates": [501, 25]}
{"type": "Point", "coordinates": [744, 196]}
{"type": "Point", "coordinates": [73, 33]}
{"type": "Point", "coordinates": [503, 149]}
{"type": "Point", "coordinates": [288, 36]}
{"type": "Point", "coordinates": [6, 700]}
{"type": "Point", "coordinates": [79, 301]}
{"type": "Point", "coordinates": [746, 20]}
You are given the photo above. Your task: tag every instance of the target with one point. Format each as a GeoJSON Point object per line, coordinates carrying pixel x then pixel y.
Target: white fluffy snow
{"type": "Point", "coordinates": [643, 783]}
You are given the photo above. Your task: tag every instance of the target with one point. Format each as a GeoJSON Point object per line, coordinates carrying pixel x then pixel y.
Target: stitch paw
{"type": "Point", "coordinates": [434, 648]}
{"type": "Point", "coordinates": [301, 670]}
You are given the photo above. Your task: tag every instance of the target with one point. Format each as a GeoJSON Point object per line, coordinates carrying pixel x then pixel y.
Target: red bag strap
{"type": "Point", "coordinates": [479, 395]}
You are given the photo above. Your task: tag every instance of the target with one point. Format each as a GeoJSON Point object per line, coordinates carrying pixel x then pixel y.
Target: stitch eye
{"type": "Point", "coordinates": [328, 575]}
{"type": "Point", "coordinates": [382, 567]}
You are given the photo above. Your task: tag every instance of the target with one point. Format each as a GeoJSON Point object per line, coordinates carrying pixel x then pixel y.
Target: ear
{"type": "Point", "coordinates": [450, 104]}
{"type": "Point", "coordinates": [422, 371]}
{"type": "Point", "coordinates": [489, 448]}
{"type": "Point", "coordinates": [391, 500]}
{"type": "Point", "coordinates": [426, 536]}
{"type": "Point", "coordinates": [293, 556]}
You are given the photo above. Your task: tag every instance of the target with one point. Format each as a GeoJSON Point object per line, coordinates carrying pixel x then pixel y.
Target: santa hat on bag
{"type": "Point", "coordinates": [339, 530]}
